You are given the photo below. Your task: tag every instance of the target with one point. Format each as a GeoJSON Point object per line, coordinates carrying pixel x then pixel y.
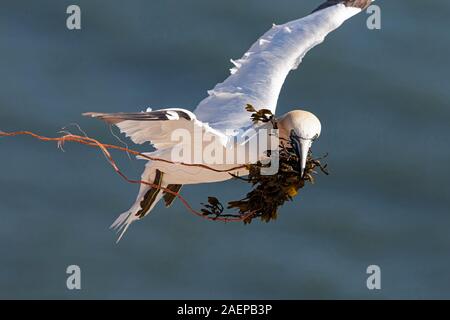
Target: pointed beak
{"type": "Point", "coordinates": [301, 148]}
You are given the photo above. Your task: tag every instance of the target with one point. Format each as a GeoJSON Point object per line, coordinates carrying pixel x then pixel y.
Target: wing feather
{"type": "Point", "coordinates": [257, 78]}
{"type": "Point", "coordinates": [157, 126]}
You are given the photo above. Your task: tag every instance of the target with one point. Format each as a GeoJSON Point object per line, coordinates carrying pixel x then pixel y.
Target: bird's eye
{"type": "Point", "coordinates": [315, 137]}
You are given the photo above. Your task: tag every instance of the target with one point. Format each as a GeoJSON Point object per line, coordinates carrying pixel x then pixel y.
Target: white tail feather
{"type": "Point", "coordinates": [123, 221]}
{"type": "Point", "coordinates": [120, 220]}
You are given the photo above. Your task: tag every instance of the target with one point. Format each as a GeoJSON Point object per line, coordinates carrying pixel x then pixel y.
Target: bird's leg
{"type": "Point", "coordinates": [169, 198]}
{"type": "Point", "coordinates": [151, 195]}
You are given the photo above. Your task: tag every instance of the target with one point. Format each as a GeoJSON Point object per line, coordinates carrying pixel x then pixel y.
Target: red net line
{"type": "Point", "coordinates": [85, 140]}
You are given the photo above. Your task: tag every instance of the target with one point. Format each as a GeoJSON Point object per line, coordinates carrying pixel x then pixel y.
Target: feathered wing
{"type": "Point", "coordinates": [258, 76]}
{"type": "Point", "coordinates": [157, 127]}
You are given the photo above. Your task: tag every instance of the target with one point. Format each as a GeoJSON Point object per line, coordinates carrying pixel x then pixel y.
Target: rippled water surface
{"type": "Point", "coordinates": [383, 99]}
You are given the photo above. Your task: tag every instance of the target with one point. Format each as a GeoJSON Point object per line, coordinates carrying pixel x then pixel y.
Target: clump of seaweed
{"type": "Point", "coordinates": [269, 192]}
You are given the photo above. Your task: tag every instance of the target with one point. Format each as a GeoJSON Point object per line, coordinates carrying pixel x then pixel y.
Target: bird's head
{"type": "Point", "coordinates": [301, 128]}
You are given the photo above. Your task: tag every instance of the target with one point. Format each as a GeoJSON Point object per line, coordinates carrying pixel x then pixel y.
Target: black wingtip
{"type": "Point", "coordinates": [361, 4]}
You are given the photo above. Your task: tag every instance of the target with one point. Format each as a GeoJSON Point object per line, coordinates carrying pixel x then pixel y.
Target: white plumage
{"type": "Point", "coordinates": [256, 79]}
{"type": "Point", "coordinates": [259, 75]}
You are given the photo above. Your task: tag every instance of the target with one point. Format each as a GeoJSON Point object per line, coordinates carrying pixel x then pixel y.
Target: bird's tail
{"type": "Point", "coordinates": [147, 198]}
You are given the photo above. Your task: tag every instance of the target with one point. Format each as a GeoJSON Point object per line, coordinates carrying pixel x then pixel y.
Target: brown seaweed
{"type": "Point", "coordinates": [269, 192]}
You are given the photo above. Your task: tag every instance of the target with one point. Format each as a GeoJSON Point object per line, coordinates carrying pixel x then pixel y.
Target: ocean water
{"type": "Point", "coordinates": [384, 101]}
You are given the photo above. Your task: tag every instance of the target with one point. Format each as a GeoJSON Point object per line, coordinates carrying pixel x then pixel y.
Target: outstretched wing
{"type": "Point", "coordinates": [258, 76]}
{"type": "Point", "coordinates": [157, 127]}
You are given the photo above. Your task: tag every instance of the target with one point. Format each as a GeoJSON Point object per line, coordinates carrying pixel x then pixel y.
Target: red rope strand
{"type": "Point", "coordinates": [104, 148]}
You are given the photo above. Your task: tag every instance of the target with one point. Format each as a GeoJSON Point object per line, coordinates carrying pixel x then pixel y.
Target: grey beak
{"type": "Point", "coordinates": [301, 148]}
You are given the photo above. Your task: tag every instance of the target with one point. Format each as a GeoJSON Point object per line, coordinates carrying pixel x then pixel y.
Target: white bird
{"type": "Point", "coordinates": [256, 79]}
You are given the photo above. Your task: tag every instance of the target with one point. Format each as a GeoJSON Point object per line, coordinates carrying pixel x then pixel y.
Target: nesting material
{"type": "Point", "coordinates": [269, 193]}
